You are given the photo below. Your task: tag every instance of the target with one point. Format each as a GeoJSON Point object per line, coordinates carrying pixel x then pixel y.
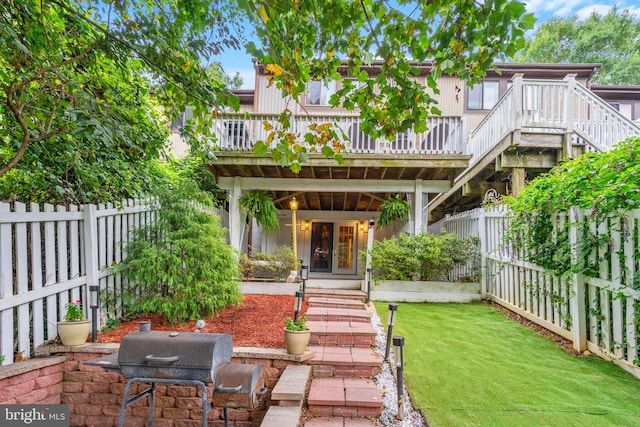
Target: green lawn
{"type": "Point", "coordinates": [469, 365]}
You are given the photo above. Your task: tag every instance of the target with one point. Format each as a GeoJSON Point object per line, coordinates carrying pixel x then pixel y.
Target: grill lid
{"type": "Point", "coordinates": [186, 350]}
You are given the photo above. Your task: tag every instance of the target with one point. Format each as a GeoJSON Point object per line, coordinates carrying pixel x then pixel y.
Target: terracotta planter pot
{"type": "Point", "coordinates": [296, 342]}
{"type": "Point", "coordinates": [74, 333]}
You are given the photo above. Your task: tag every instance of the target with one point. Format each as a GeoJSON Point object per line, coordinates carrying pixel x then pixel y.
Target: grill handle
{"type": "Point", "coordinates": [222, 389]}
{"type": "Point", "coordinates": [160, 359]}
{"type": "Point", "coordinates": [262, 391]}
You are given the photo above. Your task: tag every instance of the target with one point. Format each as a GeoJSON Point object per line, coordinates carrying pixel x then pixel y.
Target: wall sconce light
{"type": "Point", "coordinates": [94, 298]}
{"type": "Point", "coordinates": [361, 226]}
{"type": "Point", "coordinates": [304, 226]}
{"type": "Point", "coordinates": [391, 320]}
{"type": "Point", "coordinates": [398, 355]}
{"type": "Point", "coordinates": [298, 306]}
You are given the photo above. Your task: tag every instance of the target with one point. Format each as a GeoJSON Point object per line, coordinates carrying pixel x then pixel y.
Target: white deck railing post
{"type": "Point", "coordinates": [517, 100]}
{"type": "Point", "coordinates": [570, 80]}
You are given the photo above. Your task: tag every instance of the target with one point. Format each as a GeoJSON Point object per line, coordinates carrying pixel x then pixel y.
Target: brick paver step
{"type": "Point", "coordinates": [336, 303]}
{"type": "Point", "coordinates": [337, 293]}
{"type": "Point", "coordinates": [343, 334]}
{"type": "Point", "coordinates": [339, 422]}
{"type": "Point", "coordinates": [344, 397]}
{"type": "Point", "coordinates": [332, 314]}
{"type": "Point", "coordinates": [331, 361]}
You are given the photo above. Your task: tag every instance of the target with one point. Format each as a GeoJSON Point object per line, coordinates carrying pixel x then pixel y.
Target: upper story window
{"type": "Point", "coordinates": [319, 92]}
{"type": "Point", "coordinates": [483, 95]}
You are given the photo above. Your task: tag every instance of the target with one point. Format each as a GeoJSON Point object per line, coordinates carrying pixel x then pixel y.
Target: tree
{"type": "Point", "coordinates": [56, 57]}
{"type": "Point", "coordinates": [216, 72]}
{"type": "Point", "coordinates": [310, 40]}
{"type": "Point", "coordinates": [66, 66]}
{"type": "Point", "coordinates": [612, 39]}
{"type": "Point", "coordinates": [180, 264]}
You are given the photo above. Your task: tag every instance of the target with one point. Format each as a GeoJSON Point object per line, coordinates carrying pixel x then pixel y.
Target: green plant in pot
{"type": "Point", "coordinates": [296, 335]}
{"type": "Point", "coordinates": [394, 209]}
{"type": "Point", "coordinates": [259, 205]}
{"type": "Point", "coordinates": [74, 330]}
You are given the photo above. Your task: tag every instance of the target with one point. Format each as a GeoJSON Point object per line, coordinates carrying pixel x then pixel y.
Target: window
{"type": "Point", "coordinates": [483, 95]}
{"type": "Point", "coordinates": [319, 91]}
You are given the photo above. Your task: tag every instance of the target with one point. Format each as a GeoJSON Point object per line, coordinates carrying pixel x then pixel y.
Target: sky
{"type": "Point", "coordinates": [234, 61]}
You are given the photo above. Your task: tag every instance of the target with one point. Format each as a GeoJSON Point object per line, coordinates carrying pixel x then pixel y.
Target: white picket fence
{"type": "Point", "coordinates": [599, 314]}
{"type": "Point", "coordinates": [49, 256]}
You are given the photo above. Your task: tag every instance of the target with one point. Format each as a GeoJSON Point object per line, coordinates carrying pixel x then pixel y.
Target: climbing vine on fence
{"type": "Point", "coordinates": [605, 183]}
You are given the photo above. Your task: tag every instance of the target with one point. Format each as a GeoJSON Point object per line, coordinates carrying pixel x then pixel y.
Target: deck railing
{"type": "Point", "coordinates": [239, 132]}
{"type": "Point", "coordinates": [535, 106]}
{"type": "Point", "coordinates": [553, 107]}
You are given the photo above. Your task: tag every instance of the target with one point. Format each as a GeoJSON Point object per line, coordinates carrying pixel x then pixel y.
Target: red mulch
{"type": "Point", "coordinates": [257, 322]}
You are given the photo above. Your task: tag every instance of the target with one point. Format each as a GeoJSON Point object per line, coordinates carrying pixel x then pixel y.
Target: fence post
{"type": "Point", "coordinates": [90, 229]}
{"type": "Point", "coordinates": [482, 234]}
{"type": "Point", "coordinates": [577, 299]}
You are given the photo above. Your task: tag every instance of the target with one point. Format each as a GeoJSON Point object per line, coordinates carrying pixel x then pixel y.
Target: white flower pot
{"type": "Point", "coordinates": [74, 333]}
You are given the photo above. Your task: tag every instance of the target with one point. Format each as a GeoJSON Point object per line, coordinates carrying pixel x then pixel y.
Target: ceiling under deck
{"type": "Point", "coordinates": [370, 167]}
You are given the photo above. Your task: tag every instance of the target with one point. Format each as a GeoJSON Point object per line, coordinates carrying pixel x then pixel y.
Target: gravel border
{"type": "Point", "coordinates": [386, 381]}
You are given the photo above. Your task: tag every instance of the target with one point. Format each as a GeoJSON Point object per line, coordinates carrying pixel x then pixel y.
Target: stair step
{"type": "Point", "coordinates": [282, 416]}
{"type": "Point", "coordinates": [342, 334]}
{"type": "Point", "coordinates": [337, 293]}
{"type": "Point", "coordinates": [292, 385]}
{"type": "Point", "coordinates": [339, 422]}
{"type": "Point", "coordinates": [331, 314]}
{"type": "Point", "coordinates": [344, 362]}
{"type": "Point", "coordinates": [336, 303]}
{"type": "Point", "coordinates": [344, 397]}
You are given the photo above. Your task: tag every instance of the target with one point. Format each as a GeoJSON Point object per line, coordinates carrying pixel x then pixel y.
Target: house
{"type": "Point", "coordinates": [490, 139]}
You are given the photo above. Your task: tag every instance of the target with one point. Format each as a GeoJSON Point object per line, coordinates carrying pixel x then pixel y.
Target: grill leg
{"type": "Point", "coordinates": [226, 417]}
{"type": "Point", "coordinates": [126, 401]}
{"type": "Point", "coordinates": [205, 406]}
{"type": "Point", "coordinates": [152, 399]}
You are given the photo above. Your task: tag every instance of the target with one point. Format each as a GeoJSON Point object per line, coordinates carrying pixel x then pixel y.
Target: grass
{"type": "Point", "coordinates": [470, 365]}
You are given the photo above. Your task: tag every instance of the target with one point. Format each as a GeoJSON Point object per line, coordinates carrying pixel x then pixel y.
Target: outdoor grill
{"type": "Point", "coordinates": [192, 358]}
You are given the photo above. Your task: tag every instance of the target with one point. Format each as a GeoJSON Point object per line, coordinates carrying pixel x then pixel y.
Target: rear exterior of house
{"type": "Point", "coordinates": [490, 139]}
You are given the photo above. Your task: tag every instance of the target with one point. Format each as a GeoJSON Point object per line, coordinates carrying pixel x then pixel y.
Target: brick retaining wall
{"type": "Point", "coordinates": [94, 395]}
{"type": "Point", "coordinates": [37, 381]}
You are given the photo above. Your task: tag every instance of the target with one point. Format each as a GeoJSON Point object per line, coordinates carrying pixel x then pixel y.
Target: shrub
{"type": "Point", "coordinates": [180, 264]}
{"type": "Point", "coordinates": [422, 256]}
{"type": "Point", "coordinates": [276, 265]}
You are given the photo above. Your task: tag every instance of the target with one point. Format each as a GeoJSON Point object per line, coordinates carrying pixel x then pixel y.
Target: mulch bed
{"type": "Point", "coordinates": [257, 322]}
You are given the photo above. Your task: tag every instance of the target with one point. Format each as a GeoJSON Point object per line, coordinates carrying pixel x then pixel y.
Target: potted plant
{"type": "Point", "coordinates": [296, 335]}
{"type": "Point", "coordinates": [394, 209]}
{"type": "Point", "coordinates": [75, 329]}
